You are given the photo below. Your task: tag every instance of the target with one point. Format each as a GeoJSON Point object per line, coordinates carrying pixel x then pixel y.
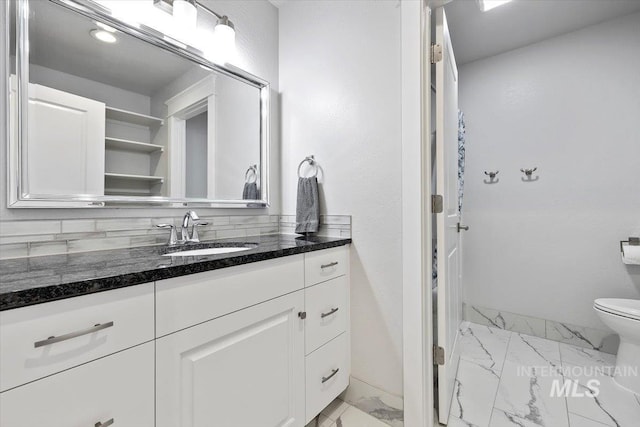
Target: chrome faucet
{"type": "Point", "coordinates": [185, 238]}
{"type": "Point", "coordinates": [195, 222]}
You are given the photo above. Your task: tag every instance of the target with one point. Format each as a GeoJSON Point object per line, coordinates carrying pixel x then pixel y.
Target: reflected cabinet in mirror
{"type": "Point", "coordinates": [104, 112]}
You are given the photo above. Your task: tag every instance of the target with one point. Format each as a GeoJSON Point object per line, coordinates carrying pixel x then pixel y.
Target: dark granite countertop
{"type": "Point", "coordinates": [36, 280]}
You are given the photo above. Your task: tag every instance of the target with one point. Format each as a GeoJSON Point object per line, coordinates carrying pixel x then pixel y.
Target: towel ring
{"type": "Point", "coordinates": [252, 169]}
{"type": "Point", "coordinates": [312, 161]}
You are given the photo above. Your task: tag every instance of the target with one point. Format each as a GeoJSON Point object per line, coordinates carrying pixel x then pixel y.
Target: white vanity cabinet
{"type": "Point", "coordinates": [327, 340]}
{"type": "Point", "coordinates": [79, 361]}
{"type": "Point", "coordinates": [264, 344]}
{"type": "Point", "coordinates": [278, 358]}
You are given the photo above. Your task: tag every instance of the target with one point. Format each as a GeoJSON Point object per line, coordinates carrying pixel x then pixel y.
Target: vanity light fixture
{"type": "Point", "coordinates": [185, 12]}
{"type": "Point", "coordinates": [487, 5]}
{"type": "Point", "coordinates": [103, 35]}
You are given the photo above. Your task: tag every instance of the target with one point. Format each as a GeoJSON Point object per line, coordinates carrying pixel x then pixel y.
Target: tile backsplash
{"type": "Point", "coordinates": [330, 225]}
{"type": "Point", "coordinates": [48, 237]}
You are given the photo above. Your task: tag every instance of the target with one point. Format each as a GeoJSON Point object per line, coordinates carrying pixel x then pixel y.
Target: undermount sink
{"type": "Point", "coordinates": [209, 251]}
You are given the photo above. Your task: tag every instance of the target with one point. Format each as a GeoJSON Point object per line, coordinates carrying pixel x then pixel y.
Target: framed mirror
{"type": "Point", "coordinates": [105, 112]}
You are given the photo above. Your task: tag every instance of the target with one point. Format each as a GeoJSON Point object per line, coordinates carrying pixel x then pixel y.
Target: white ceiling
{"type": "Point", "coordinates": [477, 34]}
{"type": "Point", "coordinates": [60, 40]}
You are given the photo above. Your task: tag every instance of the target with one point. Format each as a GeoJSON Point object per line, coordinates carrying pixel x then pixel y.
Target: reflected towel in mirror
{"type": "Point", "coordinates": [250, 191]}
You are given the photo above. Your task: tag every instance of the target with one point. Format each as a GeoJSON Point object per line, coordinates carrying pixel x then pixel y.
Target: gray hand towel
{"type": "Point", "coordinates": [308, 206]}
{"type": "Point", "coordinates": [250, 191]}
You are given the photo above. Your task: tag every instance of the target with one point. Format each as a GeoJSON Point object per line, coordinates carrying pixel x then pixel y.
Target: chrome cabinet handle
{"type": "Point", "coordinates": [462, 227]}
{"type": "Point", "coordinates": [331, 264]}
{"type": "Point", "coordinates": [333, 310]}
{"type": "Point", "coordinates": [52, 339]}
{"type": "Point", "coordinates": [104, 424]}
{"type": "Point", "coordinates": [333, 372]}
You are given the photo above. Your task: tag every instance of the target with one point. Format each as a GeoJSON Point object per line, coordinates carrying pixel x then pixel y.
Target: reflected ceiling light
{"type": "Point", "coordinates": [105, 27]}
{"type": "Point", "coordinates": [103, 36]}
{"type": "Point", "coordinates": [185, 12]}
{"type": "Point", "coordinates": [487, 5]}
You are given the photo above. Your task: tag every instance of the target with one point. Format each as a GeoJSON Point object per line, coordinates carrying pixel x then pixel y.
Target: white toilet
{"type": "Point", "coordinates": [623, 316]}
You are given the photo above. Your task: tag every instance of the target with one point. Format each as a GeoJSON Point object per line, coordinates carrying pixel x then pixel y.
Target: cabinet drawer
{"type": "Point", "coordinates": [124, 318]}
{"type": "Point", "coordinates": [323, 265]}
{"type": "Point", "coordinates": [118, 387]}
{"type": "Point", "coordinates": [327, 374]}
{"type": "Point", "coordinates": [327, 306]}
{"type": "Point", "coordinates": [188, 300]}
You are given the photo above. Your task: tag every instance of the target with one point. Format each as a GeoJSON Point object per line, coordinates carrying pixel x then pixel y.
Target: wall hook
{"type": "Point", "coordinates": [529, 174]}
{"type": "Point", "coordinates": [492, 177]}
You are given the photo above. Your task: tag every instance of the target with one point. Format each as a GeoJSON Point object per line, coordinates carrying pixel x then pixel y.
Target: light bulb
{"type": "Point", "coordinates": [185, 14]}
{"type": "Point", "coordinates": [225, 43]}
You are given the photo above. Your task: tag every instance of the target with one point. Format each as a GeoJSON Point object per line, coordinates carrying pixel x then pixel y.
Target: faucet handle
{"type": "Point", "coordinates": [194, 233]}
{"type": "Point", "coordinates": [173, 238]}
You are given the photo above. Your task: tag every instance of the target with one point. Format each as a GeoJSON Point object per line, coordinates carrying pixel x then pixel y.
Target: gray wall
{"type": "Point", "coordinates": [568, 105]}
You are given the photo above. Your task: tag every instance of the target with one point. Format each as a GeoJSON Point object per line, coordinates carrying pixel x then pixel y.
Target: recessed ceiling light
{"type": "Point", "coordinates": [106, 27]}
{"type": "Point", "coordinates": [487, 5]}
{"type": "Point", "coordinates": [103, 36]}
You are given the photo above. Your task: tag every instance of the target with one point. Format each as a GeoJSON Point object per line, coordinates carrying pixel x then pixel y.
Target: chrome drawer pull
{"type": "Point", "coordinates": [333, 372]}
{"type": "Point", "coordinates": [52, 340]}
{"type": "Point", "coordinates": [333, 310]}
{"type": "Point", "coordinates": [331, 264]}
{"type": "Point", "coordinates": [104, 424]}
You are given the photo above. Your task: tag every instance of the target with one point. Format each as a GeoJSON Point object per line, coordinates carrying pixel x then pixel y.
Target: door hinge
{"type": "Point", "coordinates": [437, 203]}
{"type": "Point", "coordinates": [302, 314]}
{"type": "Point", "coordinates": [438, 355]}
{"type": "Point", "coordinates": [436, 53]}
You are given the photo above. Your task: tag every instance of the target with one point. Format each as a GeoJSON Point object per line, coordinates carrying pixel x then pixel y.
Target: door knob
{"type": "Point", "coordinates": [463, 227]}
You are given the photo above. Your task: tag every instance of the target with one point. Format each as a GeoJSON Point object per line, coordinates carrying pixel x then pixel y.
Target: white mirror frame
{"type": "Point", "coordinates": [18, 195]}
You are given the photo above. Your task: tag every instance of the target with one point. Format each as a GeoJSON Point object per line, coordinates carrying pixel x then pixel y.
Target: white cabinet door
{"type": "Point", "coordinates": [245, 369]}
{"type": "Point", "coordinates": [115, 390]}
{"type": "Point", "coordinates": [65, 143]}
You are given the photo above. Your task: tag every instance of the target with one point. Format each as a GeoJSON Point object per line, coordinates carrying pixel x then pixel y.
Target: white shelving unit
{"type": "Point", "coordinates": [156, 179]}
{"type": "Point", "coordinates": [131, 117]}
{"type": "Point", "coordinates": [125, 144]}
{"type": "Point", "coordinates": [130, 158]}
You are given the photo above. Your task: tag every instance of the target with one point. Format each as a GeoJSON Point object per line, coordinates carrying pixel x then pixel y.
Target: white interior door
{"type": "Point", "coordinates": [66, 147]}
{"type": "Point", "coordinates": [449, 304]}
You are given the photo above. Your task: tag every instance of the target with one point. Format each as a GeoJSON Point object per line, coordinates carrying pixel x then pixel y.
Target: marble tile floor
{"type": "Point", "coordinates": [508, 379]}
{"type": "Point", "coordinates": [342, 414]}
